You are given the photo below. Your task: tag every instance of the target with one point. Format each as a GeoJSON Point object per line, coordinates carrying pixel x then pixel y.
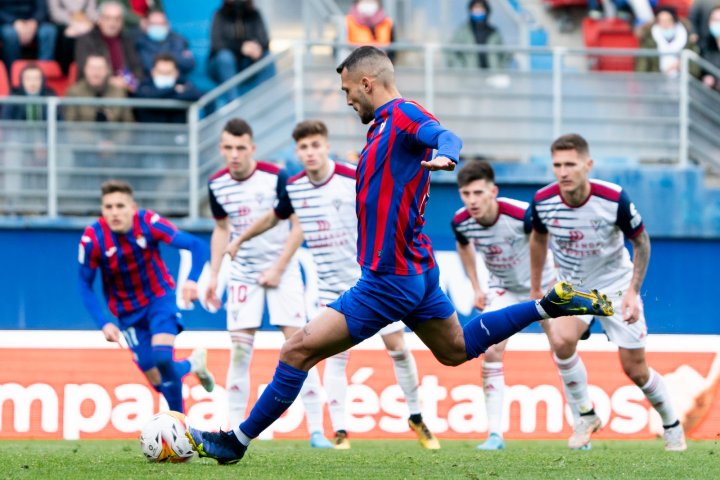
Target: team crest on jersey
{"type": "Point", "coordinates": [154, 218]}
{"type": "Point", "coordinates": [511, 241]}
{"type": "Point", "coordinates": [110, 251]}
{"type": "Point", "coordinates": [555, 222]}
{"type": "Point", "coordinates": [382, 127]}
{"type": "Point", "coordinates": [596, 224]}
{"type": "Point", "coordinates": [141, 241]}
{"type": "Point", "coordinates": [337, 203]}
{"type": "Point", "coordinates": [259, 196]}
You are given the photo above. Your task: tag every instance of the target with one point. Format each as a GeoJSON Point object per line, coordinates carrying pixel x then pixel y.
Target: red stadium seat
{"type": "Point", "coordinates": [72, 73]}
{"type": "Point", "coordinates": [4, 83]}
{"type": "Point", "coordinates": [50, 68]}
{"type": "Point", "coordinates": [610, 33]}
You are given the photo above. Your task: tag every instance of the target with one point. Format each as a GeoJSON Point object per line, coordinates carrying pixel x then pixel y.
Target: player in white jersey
{"type": "Point", "coordinates": [322, 198]}
{"type": "Point", "coordinates": [586, 222]}
{"type": "Point", "coordinates": [499, 230]}
{"type": "Point", "coordinates": [265, 268]}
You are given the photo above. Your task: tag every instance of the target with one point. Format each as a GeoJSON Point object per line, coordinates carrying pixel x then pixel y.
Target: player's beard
{"type": "Point", "coordinates": [366, 112]}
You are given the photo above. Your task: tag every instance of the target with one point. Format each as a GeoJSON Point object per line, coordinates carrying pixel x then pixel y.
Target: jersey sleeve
{"type": "Point", "coordinates": [281, 187]}
{"type": "Point", "coordinates": [537, 223]}
{"type": "Point", "coordinates": [218, 212]}
{"type": "Point", "coordinates": [628, 218]}
{"type": "Point", "coordinates": [424, 129]}
{"type": "Point", "coordinates": [89, 250]}
{"type": "Point", "coordinates": [459, 236]}
{"type": "Point", "coordinates": [283, 206]}
{"type": "Point", "coordinates": [161, 229]}
{"type": "Point", "coordinates": [528, 220]}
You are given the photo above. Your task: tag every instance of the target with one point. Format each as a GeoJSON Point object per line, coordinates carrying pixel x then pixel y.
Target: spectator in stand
{"type": "Point", "coordinates": [699, 19]}
{"type": "Point", "coordinates": [669, 36]}
{"type": "Point", "coordinates": [73, 18]}
{"type": "Point", "coordinates": [32, 84]}
{"type": "Point", "coordinates": [368, 24]}
{"type": "Point", "coordinates": [157, 39]}
{"type": "Point", "coordinates": [710, 49]}
{"type": "Point", "coordinates": [136, 13]}
{"type": "Point", "coordinates": [96, 82]}
{"type": "Point", "coordinates": [238, 39]}
{"type": "Point", "coordinates": [165, 83]}
{"type": "Point", "coordinates": [23, 22]}
{"type": "Point", "coordinates": [110, 40]}
{"type": "Point", "coordinates": [477, 31]}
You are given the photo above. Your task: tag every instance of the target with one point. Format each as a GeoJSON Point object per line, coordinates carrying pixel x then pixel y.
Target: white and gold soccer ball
{"type": "Point", "coordinates": [163, 438]}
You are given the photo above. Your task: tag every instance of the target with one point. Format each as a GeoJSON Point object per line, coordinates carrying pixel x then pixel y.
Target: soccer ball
{"type": "Point", "coordinates": [163, 439]}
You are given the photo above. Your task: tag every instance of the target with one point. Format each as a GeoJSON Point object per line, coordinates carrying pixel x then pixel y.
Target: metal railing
{"type": "Point", "coordinates": [54, 167]}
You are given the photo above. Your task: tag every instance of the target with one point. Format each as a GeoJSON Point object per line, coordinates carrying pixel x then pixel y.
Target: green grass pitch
{"type": "Point", "coordinates": [64, 460]}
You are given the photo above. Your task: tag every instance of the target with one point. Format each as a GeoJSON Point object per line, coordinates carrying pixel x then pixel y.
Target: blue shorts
{"type": "Point", "coordinates": [161, 315]}
{"type": "Point", "coordinates": [378, 299]}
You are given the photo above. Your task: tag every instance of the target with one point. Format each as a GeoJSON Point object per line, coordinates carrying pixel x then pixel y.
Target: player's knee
{"type": "Point", "coordinates": [637, 373]}
{"type": "Point", "coordinates": [294, 352]}
{"type": "Point", "coordinates": [452, 358]}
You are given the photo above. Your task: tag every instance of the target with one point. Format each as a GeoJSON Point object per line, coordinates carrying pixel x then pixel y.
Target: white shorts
{"type": "Point", "coordinates": [619, 332]}
{"type": "Point", "coordinates": [497, 299]}
{"type": "Point", "coordinates": [286, 303]}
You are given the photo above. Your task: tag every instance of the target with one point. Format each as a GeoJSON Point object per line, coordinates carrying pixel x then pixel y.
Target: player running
{"type": "Point", "coordinates": [499, 230]}
{"type": "Point", "coordinates": [586, 222]}
{"type": "Point", "coordinates": [125, 245]}
{"type": "Point", "coordinates": [265, 268]}
{"type": "Point", "coordinates": [322, 197]}
{"type": "Point", "coordinates": [399, 278]}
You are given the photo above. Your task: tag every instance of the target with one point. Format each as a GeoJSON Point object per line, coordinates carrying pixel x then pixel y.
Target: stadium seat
{"type": "Point", "coordinates": [53, 74]}
{"type": "Point", "coordinates": [610, 33]}
{"type": "Point", "coordinates": [4, 83]}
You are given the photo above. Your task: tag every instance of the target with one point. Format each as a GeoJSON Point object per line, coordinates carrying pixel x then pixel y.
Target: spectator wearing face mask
{"type": "Point", "coordinates": [710, 49]}
{"type": "Point", "coordinates": [368, 24]}
{"type": "Point", "coordinates": [165, 83]}
{"type": "Point", "coordinates": [477, 30]}
{"type": "Point", "coordinates": [32, 84]}
{"type": "Point", "coordinates": [159, 38]}
{"type": "Point", "coordinates": [669, 36]}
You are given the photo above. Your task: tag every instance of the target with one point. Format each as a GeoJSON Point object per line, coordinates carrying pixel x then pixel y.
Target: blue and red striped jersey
{"type": "Point", "coordinates": [132, 271]}
{"type": "Point", "coordinates": [392, 188]}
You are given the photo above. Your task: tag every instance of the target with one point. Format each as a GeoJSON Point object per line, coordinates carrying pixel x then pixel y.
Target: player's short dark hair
{"type": "Point", "coordinates": [475, 170]}
{"type": "Point", "coordinates": [164, 57]}
{"type": "Point", "coordinates": [308, 128]}
{"type": "Point", "coordinates": [571, 141]}
{"type": "Point", "coordinates": [359, 55]}
{"type": "Point", "coordinates": [114, 186]}
{"type": "Point", "coordinates": [237, 127]}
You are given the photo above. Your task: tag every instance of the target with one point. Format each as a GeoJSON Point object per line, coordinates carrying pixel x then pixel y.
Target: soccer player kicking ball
{"type": "Point", "coordinates": [125, 245]}
{"type": "Point", "coordinates": [322, 197]}
{"type": "Point", "coordinates": [499, 230]}
{"type": "Point", "coordinates": [265, 268]}
{"type": "Point", "coordinates": [586, 222]}
{"type": "Point", "coordinates": [399, 278]}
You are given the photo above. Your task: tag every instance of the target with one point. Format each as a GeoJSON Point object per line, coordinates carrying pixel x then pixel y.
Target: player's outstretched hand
{"type": "Point", "coordinates": [630, 307]}
{"type": "Point", "coordinates": [439, 163]}
{"type": "Point", "coordinates": [233, 248]}
{"type": "Point", "coordinates": [111, 332]}
{"type": "Point", "coordinates": [189, 292]}
{"type": "Point", "coordinates": [211, 297]}
{"type": "Point", "coordinates": [270, 278]}
{"type": "Point", "coordinates": [480, 300]}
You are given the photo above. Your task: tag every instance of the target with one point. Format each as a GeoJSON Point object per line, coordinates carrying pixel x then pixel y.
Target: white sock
{"type": "Point", "coordinates": [493, 388]}
{"type": "Point", "coordinates": [336, 385]}
{"type": "Point", "coordinates": [242, 438]}
{"type": "Point", "coordinates": [574, 376]}
{"type": "Point", "coordinates": [312, 398]}
{"type": "Point", "coordinates": [407, 377]}
{"type": "Point", "coordinates": [656, 392]}
{"type": "Point", "coordinates": [543, 314]}
{"type": "Point", "coordinates": [238, 376]}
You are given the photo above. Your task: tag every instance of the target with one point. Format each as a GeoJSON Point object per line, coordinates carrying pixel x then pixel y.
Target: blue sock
{"type": "Point", "coordinates": [171, 386]}
{"type": "Point", "coordinates": [493, 327]}
{"type": "Point", "coordinates": [277, 397]}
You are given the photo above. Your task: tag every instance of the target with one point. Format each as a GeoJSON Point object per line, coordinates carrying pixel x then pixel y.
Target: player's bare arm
{"type": "Point", "coordinates": [641, 259]}
{"type": "Point", "coordinates": [261, 225]}
{"type": "Point", "coordinates": [467, 257]}
{"type": "Point", "coordinates": [439, 163]}
{"type": "Point", "coordinates": [111, 332]}
{"type": "Point", "coordinates": [189, 292]}
{"type": "Point", "coordinates": [271, 277]}
{"type": "Point", "coordinates": [218, 241]}
{"type": "Point", "coordinates": [538, 254]}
